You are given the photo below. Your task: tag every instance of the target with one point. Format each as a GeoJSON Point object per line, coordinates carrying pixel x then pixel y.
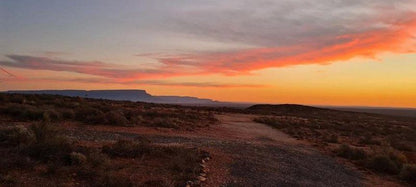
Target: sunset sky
{"type": "Point", "coordinates": [326, 52]}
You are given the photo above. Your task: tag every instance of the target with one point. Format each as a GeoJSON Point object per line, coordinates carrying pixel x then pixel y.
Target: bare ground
{"type": "Point", "coordinates": [244, 153]}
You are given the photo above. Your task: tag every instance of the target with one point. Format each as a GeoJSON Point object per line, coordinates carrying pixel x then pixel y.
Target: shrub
{"type": "Point", "coordinates": [89, 114]}
{"type": "Point", "coordinates": [3, 98]}
{"type": "Point", "coordinates": [97, 159]}
{"type": "Point", "coordinates": [332, 139]}
{"type": "Point", "coordinates": [127, 148]}
{"type": "Point", "coordinates": [77, 158]}
{"type": "Point", "coordinates": [398, 158]}
{"type": "Point", "coordinates": [17, 98]}
{"type": "Point", "coordinates": [11, 159]}
{"type": "Point", "coordinates": [8, 180]}
{"type": "Point", "coordinates": [18, 135]}
{"type": "Point", "coordinates": [68, 114]}
{"type": "Point", "coordinates": [350, 153]}
{"type": "Point", "coordinates": [164, 122]}
{"type": "Point", "coordinates": [184, 163]}
{"type": "Point", "coordinates": [368, 140]}
{"type": "Point", "coordinates": [384, 164]}
{"type": "Point", "coordinates": [23, 112]}
{"type": "Point", "coordinates": [387, 162]}
{"type": "Point", "coordinates": [44, 131]}
{"type": "Point", "coordinates": [48, 145]}
{"type": "Point", "coordinates": [54, 149]}
{"type": "Point", "coordinates": [51, 115]}
{"type": "Point", "coordinates": [160, 183]}
{"type": "Point", "coordinates": [408, 172]}
{"type": "Point", "coordinates": [401, 146]}
{"type": "Point", "coordinates": [113, 179]}
{"type": "Point", "coordinates": [116, 118]}
{"type": "Point", "coordinates": [271, 122]}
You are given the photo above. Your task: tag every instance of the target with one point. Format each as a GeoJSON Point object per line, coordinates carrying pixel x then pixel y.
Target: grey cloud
{"type": "Point", "coordinates": [91, 68]}
{"type": "Point", "coordinates": [152, 82]}
{"type": "Point", "coordinates": [270, 23]}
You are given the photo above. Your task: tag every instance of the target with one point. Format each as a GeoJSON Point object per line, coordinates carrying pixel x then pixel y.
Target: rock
{"type": "Point", "coordinates": [205, 170]}
{"type": "Point", "coordinates": [203, 165]}
{"type": "Point", "coordinates": [203, 161]}
{"type": "Point", "coordinates": [203, 174]}
{"type": "Point", "coordinates": [201, 178]}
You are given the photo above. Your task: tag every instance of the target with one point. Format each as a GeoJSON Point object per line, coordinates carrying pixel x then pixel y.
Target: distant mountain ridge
{"type": "Point", "coordinates": [127, 95]}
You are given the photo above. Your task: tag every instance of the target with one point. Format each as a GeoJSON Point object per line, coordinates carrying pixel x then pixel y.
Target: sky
{"type": "Point", "coordinates": [326, 52]}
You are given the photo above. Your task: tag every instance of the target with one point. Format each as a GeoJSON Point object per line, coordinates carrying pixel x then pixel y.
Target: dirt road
{"type": "Point", "coordinates": [244, 153]}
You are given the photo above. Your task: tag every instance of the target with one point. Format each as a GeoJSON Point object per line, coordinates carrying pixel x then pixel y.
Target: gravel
{"type": "Point", "coordinates": [256, 164]}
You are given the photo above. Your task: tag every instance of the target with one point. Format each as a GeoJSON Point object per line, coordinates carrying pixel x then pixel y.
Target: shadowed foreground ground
{"type": "Point", "coordinates": [244, 154]}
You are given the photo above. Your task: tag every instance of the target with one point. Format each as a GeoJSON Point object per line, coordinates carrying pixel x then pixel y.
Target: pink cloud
{"type": "Point", "coordinates": [397, 37]}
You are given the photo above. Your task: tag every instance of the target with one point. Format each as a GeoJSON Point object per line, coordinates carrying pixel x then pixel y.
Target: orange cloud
{"type": "Point", "coordinates": [393, 36]}
{"type": "Point", "coordinates": [399, 37]}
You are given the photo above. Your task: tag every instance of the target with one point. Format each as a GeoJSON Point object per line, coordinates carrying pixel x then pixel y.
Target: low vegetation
{"type": "Point", "coordinates": [383, 144]}
{"type": "Point", "coordinates": [40, 155]}
{"type": "Point", "coordinates": [52, 108]}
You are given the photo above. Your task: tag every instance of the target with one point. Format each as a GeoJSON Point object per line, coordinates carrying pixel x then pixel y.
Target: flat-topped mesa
{"type": "Point", "coordinates": [121, 95]}
{"type": "Point", "coordinates": [131, 95]}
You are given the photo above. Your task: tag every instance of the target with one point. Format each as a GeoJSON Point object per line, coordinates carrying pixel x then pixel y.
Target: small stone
{"type": "Point", "coordinates": [203, 174]}
{"type": "Point", "coordinates": [202, 179]}
{"type": "Point", "coordinates": [203, 165]}
{"type": "Point", "coordinates": [203, 161]}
